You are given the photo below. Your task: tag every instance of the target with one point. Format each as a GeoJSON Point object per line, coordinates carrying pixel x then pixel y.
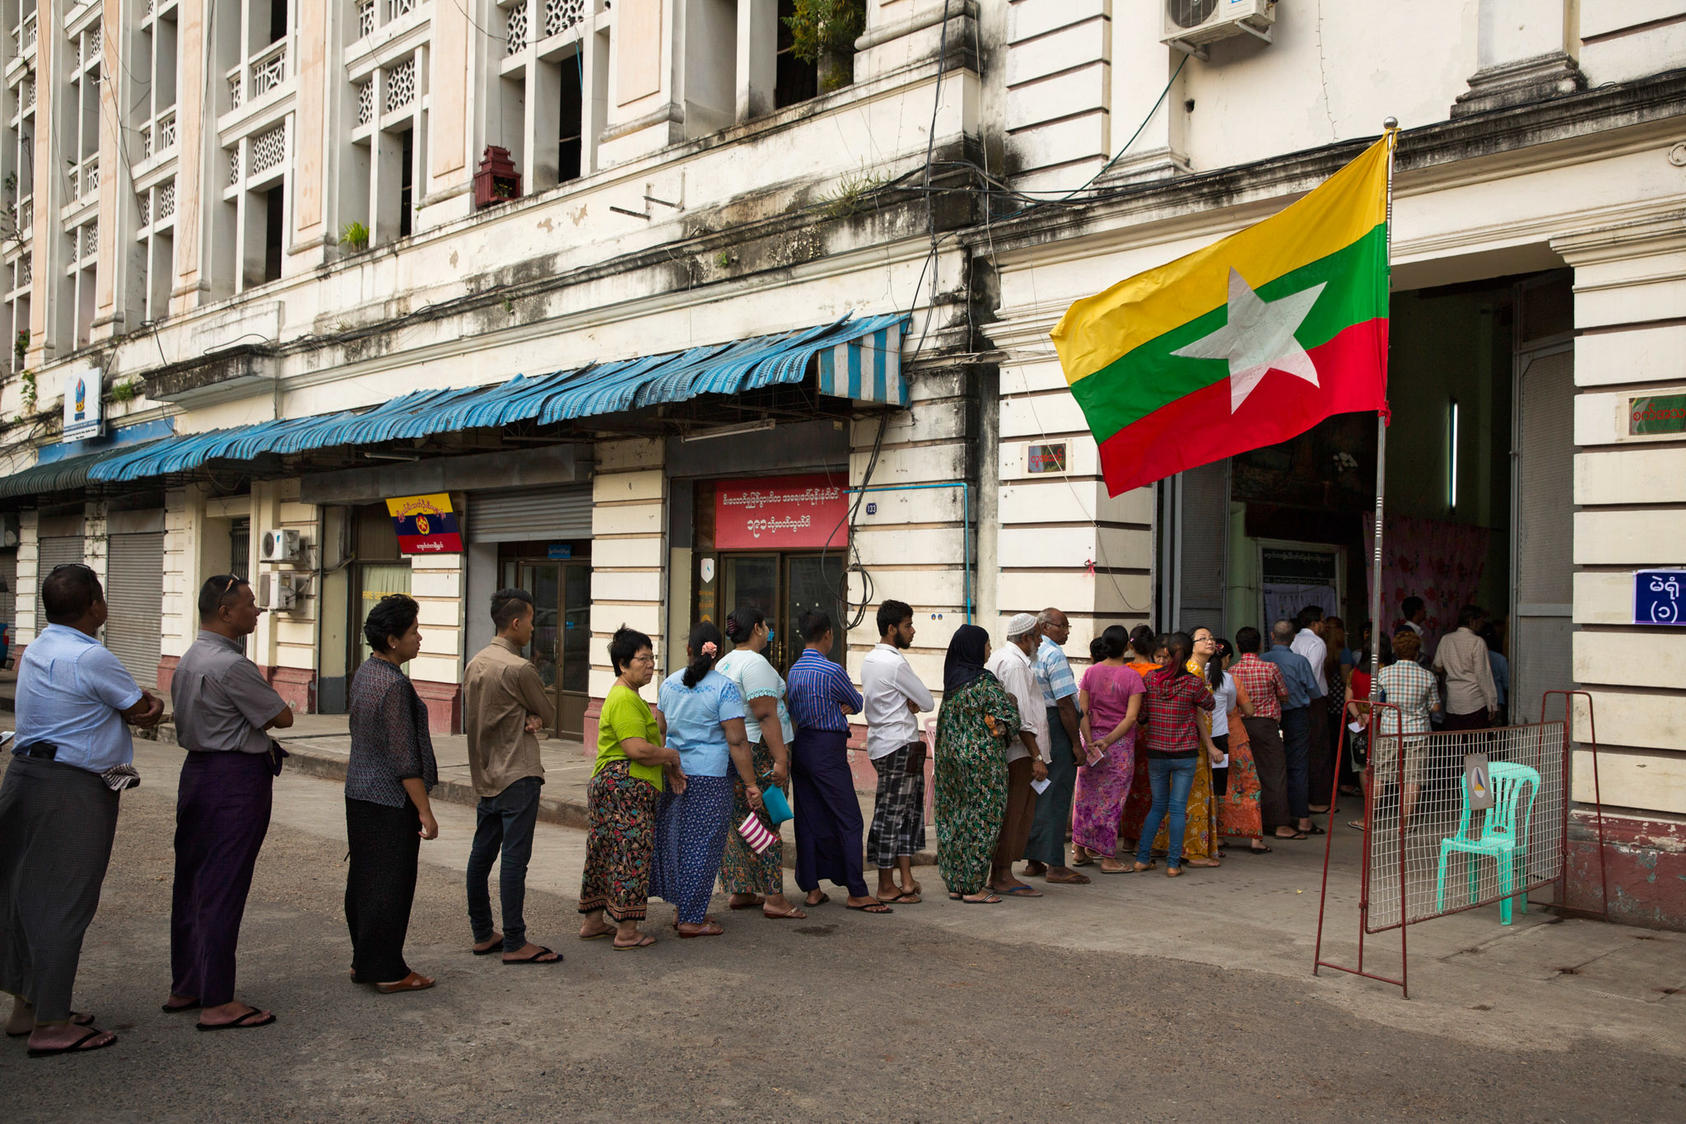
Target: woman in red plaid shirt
{"type": "Point", "coordinates": [1172, 747]}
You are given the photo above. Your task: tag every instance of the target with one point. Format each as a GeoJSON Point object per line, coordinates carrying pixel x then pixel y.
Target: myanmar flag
{"type": "Point", "coordinates": [1245, 343]}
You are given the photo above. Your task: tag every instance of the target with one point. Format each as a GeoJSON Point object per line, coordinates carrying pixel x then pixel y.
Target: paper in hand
{"type": "Point", "coordinates": [1224, 764]}
{"type": "Point", "coordinates": [1040, 786]}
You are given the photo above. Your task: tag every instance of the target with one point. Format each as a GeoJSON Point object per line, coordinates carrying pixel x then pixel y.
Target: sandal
{"type": "Point", "coordinates": [415, 981]}
{"type": "Point", "coordinates": [75, 1020]}
{"type": "Point", "coordinates": [791, 914]}
{"type": "Point", "coordinates": [1137, 868]}
{"type": "Point", "coordinates": [644, 940]}
{"type": "Point", "coordinates": [709, 929]}
{"type": "Point", "coordinates": [248, 1021]}
{"type": "Point", "coordinates": [873, 906]}
{"type": "Point", "coordinates": [756, 902]}
{"type": "Point", "coordinates": [1356, 825]}
{"type": "Point", "coordinates": [1082, 858]}
{"type": "Point", "coordinates": [1296, 833]}
{"type": "Point", "coordinates": [1261, 849]}
{"type": "Point", "coordinates": [597, 936]}
{"type": "Point", "coordinates": [821, 900]}
{"type": "Point", "coordinates": [542, 956]}
{"type": "Point", "coordinates": [76, 1047]}
{"type": "Point", "coordinates": [986, 899]}
{"type": "Point", "coordinates": [1173, 872]}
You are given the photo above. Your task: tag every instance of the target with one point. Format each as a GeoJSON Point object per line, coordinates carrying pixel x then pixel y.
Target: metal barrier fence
{"type": "Point", "coordinates": [1458, 820]}
{"type": "Point", "coordinates": [1462, 820]}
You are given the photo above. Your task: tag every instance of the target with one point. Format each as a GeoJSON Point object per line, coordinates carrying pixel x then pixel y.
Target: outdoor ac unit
{"type": "Point", "coordinates": [277, 591]}
{"type": "Point", "coordinates": [1191, 24]}
{"type": "Point", "coordinates": [280, 546]}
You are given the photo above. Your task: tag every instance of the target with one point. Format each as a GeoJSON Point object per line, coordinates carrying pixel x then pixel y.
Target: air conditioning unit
{"type": "Point", "coordinates": [278, 592]}
{"type": "Point", "coordinates": [281, 546]}
{"type": "Point", "coordinates": [1191, 24]}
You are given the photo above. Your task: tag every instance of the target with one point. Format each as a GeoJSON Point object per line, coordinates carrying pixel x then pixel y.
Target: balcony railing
{"type": "Point", "coordinates": [26, 33]}
{"type": "Point", "coordinates": [159, 134]}
{"type": "Point", "coordinates": [85, 178]}
{"type": "Point", "coordinates": [261, 74]}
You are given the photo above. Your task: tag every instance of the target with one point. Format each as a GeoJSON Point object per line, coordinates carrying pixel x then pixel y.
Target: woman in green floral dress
{"type": "Point", "coordinates": [977, 719]}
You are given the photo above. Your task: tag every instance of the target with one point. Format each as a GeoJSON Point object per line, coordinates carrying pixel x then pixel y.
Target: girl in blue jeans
{"type": "Point", "coordinates": [1173, 740]}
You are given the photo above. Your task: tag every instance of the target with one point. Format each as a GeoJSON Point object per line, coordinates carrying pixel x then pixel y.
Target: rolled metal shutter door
{"type": "Point", "coordinates": [134, 591]}
{"type": "Point", "coordinates": [530, 514]}
{"type": "Point", "coordinates": [57, 550]}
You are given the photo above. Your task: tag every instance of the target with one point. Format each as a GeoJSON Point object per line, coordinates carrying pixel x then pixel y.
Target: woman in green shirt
{"type": "Point", "coordinates": [632, 767]}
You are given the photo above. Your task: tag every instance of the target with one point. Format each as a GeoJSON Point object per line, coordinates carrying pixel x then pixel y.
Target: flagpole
{"type": "Point", "coordinates": [1390, 126]}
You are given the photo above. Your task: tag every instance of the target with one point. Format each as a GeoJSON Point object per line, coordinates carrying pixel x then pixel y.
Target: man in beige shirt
{"type": "Point", "coordinates": [504, 707]}
{"type": "Point", "coordinates": [1472, 701]}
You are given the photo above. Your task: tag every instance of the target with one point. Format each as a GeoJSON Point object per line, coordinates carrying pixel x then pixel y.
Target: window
{"type": "Point", "coordinates": [794, 79]}
{"type": "Point", "coordinates": [255, 56]}
{"type": "Point", "coordinates": [150, 80]}
{"type": "Point", "coordinates": [552, 87]}
{"type": "Point", "coordinates": [17, 171]}
{"type": "Point", "coordinates": [76, 125]}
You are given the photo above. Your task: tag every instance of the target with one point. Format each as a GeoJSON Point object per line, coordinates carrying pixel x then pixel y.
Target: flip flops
{"type": "Point", "coordinates": [1020, 892]}
{"type": "Point", "coordinates": [249, 1021]}
{"type": "Point", "coordinates": [792, 914]}
{"type": "Point", "coordinates": [644, 940]}
{"type": "Point", "coordinates": [169, 1010]}
{"type": "Point", "coordinates": [711, 930]}
{"type": "Point", "coordinates": [76, 1047]}
{"type": "Point", "coordinates": [601, 935]}
{"type": "Point", "coordinates": [756, 904]}
{"type": "Point", "coordinates": [538, 957]}
{"type": "Point", "coordinates": [870, 907]}
{"type": "Point", "coordinates": [75, 1020]}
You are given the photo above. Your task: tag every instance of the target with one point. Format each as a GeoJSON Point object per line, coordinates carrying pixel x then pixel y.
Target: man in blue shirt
{"type": "Point", "coordinates": [58, 808]}
{"type": "Point", "coordinates": [1296, 722]}
{"type": "Point", "coordinates": [828, 815]}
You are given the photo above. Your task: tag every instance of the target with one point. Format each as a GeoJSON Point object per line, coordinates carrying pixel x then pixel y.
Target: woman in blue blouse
{"type": "Point", "coordinates": [704, 712]}
{"type": "Point", "coordinates": [828, 815]}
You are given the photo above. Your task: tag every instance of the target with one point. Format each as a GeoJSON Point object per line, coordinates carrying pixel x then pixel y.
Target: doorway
{"type": "Point", "coordinates": [561, 644]}
{"type": "Point", "coordinates": [783, 585]}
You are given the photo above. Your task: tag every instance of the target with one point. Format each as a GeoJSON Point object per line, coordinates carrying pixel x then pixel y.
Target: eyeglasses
{"type": "Point", "coordinates": [646, 658]}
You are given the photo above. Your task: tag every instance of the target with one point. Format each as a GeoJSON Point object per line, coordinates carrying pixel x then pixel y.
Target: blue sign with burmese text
{"type": "Point", "coordinates": [1659, 597]}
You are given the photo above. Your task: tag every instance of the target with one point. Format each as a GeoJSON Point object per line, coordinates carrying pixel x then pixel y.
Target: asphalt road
{"type": "Point", "coordinates": [841, 1017]}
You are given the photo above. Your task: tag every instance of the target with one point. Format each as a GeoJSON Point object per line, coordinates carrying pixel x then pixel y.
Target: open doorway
{"type": "Point", "coordinates": [1479, 488]}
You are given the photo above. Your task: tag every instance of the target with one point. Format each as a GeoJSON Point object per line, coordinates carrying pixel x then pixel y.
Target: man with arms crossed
{"type": "Point", "coordinates": [58, 809]}
{"type": "Point", "coordinates": [223, 705]}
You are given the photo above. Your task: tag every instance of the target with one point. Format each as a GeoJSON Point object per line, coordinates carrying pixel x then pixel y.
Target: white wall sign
{"type": "Point", "coordinates": [84, 407]}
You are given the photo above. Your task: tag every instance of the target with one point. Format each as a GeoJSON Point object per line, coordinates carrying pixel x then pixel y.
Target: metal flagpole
{"type": "Point", "coordinates": [1391, 125]}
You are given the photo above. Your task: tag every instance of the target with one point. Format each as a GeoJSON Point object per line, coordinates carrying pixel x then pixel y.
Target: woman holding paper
{"type": "Point", "coordinates": [705, 723]}
{"type": "Point", "coordinates": [758, 879]}
{"type": "Point", "coordinates": [633, 767]}
{"type": "Point", "coordinates": [1110, 698]}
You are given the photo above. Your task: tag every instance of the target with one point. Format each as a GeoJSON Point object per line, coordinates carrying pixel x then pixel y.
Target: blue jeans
{"type": "Point", "coordinates": [1172, 777]}
{"type": "Point", "coordinates": [503, 823]}
{"type": "Point", "coordinates": [1296, 750]}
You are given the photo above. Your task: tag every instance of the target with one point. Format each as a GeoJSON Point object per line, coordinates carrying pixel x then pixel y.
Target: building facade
{"type": "Point", "coordinates": [680, 314]}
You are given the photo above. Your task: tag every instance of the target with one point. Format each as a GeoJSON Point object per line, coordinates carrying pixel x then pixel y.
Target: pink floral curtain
{"type": "Point", "coordinates": [1438, 561]}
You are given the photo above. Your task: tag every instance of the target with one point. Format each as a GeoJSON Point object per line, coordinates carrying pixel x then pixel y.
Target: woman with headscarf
{"type": "Point", "coordinates": [705, 723]}
{"type": "Point", "coordinates": [977, 720]}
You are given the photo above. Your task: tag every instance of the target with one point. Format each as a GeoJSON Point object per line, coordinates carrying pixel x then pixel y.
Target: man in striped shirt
{"type": "Point", "coordinates": [828, 815]}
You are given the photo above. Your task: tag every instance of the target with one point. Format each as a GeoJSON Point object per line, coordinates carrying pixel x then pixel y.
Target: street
{"type": "Point", "coordinates": [1080, 1006]}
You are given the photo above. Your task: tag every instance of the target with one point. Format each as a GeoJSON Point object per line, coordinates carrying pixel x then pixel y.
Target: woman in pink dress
{"type": "Point", "coordinates": [1110, 699]}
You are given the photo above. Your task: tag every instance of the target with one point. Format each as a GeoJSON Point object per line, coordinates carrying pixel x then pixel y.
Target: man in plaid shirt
{"type": "Point", "coordinates": [1266, 688]}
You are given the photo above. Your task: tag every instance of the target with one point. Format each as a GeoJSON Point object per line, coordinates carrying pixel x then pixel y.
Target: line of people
{"type": "Point", "coordinates": [1174, 750]}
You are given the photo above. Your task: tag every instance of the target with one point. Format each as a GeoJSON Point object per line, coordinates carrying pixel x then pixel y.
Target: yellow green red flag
{"type": "Point", "coordinates": [1248, 342]}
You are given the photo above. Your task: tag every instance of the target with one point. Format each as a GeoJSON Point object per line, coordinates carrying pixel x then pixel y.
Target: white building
{"type": "Point", "coordinates": [253, 218]}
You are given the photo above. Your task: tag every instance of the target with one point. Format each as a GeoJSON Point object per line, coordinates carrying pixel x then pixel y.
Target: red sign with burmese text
{"type": "Point", "coordinates": [781, 513]}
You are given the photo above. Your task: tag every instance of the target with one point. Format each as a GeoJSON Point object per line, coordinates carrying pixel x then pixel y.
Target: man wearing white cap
{"type": "Point", "coordinates": [1027, 759]}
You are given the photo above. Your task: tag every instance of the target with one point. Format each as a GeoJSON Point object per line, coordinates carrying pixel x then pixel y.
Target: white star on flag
{"type": "Point", "coordinates": [1259, 337]}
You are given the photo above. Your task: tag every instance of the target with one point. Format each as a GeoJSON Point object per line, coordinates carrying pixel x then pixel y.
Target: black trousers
{"type": "Point", "coordinates": [380, 887]}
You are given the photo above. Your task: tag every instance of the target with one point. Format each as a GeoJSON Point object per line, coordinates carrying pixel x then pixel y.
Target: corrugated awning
{"type": "Point", "coordinates": [67, 475]}
{"type": "Point", "coordinates": [857, 359]}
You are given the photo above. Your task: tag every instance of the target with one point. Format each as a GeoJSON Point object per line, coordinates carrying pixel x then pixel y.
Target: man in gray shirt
{"type": "Point", "coordinates": [223, 705]}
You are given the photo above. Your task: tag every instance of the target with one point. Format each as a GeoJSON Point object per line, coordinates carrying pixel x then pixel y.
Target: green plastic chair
{"type": "Point", "coordinates": [1503, 838]}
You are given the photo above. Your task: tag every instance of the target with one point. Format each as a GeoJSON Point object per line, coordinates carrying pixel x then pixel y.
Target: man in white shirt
{"type": "Point", "coordinates": [1472, 698]}
{"type": "Point", "coordinates": [1028, 759]}
{"type": "Point", "coordinates": [894, 697]}
{"type": "Point", "coordinates": [1320, 764]}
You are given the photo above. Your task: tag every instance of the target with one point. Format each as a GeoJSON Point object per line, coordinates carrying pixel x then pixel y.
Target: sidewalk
{"type": "Point", "coordinates": [320, 745]}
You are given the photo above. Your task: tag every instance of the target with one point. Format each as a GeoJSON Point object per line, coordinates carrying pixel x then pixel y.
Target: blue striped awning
{"type": "Point", "coordinates": [856, 359]}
